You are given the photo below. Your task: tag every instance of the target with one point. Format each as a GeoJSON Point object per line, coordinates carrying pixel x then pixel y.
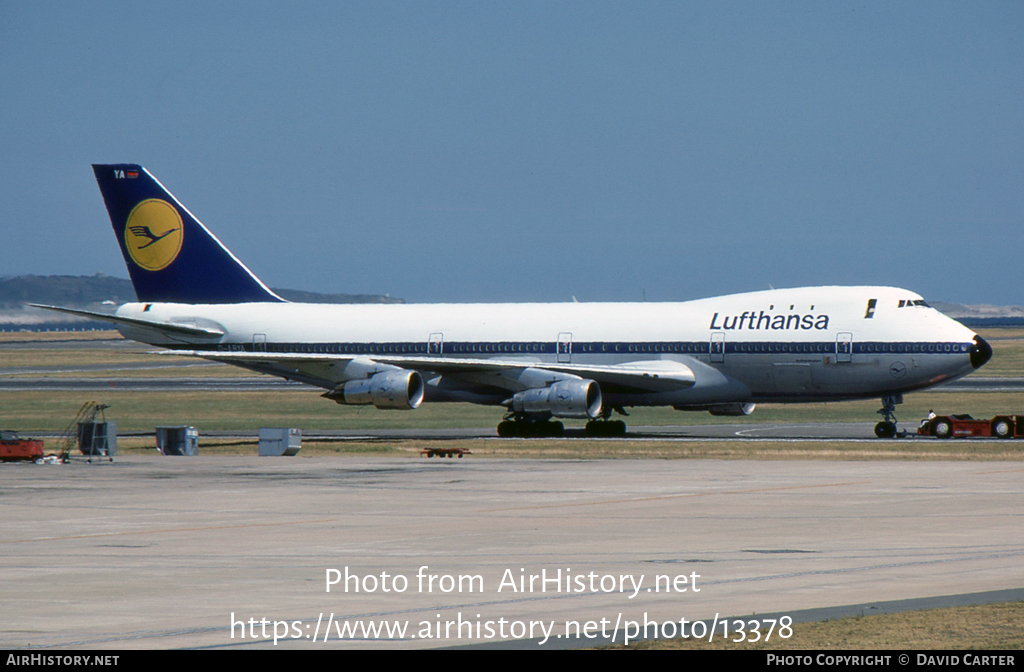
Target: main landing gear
{"type": "Point", "coordinates": [886, 429]}
{"type": "Point", "coordinates": [522, 425]}
{"type": "Point", "coordinates": [605, 428]}
{"type": "Point", "coordinates": [526, 425]}
{"type": "Point", "coordinates": [602, 426]}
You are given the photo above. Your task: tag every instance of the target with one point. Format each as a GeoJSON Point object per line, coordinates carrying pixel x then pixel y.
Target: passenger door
{"type": "Point", "coordinates": [717, 347]}
{"type": "Point", "coordinates": [564, 347]}
{"type": "Point", "coordinates": [844, 347]}
{"type": "Point", "coordinates": [435, 346]}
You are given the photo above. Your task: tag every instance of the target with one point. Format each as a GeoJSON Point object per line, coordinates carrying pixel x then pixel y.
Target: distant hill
{"type": "Point", "coordinates": [101, 292]}
{"type": "Point", "coordinates": [80, 291]}
{"type": "Point", "coordinates": [984, 311]}
{"type": "Point", "coordinates": [76, 291]}
{"type": "Point", "coordinates": [982, 315]}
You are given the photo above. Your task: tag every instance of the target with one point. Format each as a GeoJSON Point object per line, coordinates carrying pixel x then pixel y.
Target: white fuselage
{"type": "Point", "coordinates": [807, 344]}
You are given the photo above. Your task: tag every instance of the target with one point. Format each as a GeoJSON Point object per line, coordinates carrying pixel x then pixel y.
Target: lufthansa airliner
{"type": "Point", "coordinates": [537, 361]}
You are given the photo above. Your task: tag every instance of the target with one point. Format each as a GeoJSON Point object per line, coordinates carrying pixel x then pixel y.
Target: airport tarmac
{"type": "Point", "coordinates": [161, 552]}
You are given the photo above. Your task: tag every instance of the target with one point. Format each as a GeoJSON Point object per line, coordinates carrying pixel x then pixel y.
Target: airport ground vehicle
{"type": "Point", "coordinates": [959, 426]}
{"type": "Point", "coordinates": [14, 448]}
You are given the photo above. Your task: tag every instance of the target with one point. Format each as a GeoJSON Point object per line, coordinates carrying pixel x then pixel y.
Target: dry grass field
{"type": "Point", "coordinates": [993, 627]}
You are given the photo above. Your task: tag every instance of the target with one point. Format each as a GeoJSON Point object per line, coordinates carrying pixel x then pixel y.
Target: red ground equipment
{"type": "Point", "coordinates": [445, 452]}
{"type": "Point", "coordinates": [959, 426]}
{"type": "Point", "coordinates": [14, 448]}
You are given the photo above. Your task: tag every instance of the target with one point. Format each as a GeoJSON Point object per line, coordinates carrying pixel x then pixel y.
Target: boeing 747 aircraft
{"type": "Point", "coordinates": [539, 361]}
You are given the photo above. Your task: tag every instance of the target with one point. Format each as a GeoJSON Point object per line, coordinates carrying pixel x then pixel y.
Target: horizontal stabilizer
{"type": "Point", "coordinates": [166, 327]}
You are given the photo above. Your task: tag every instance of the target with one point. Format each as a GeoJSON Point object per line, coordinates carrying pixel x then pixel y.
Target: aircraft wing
{"type": "Point", "coordinates": [658, 375]}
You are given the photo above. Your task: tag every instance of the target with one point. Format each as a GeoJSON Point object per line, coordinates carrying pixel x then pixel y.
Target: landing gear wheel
{"type": "Point", "coordinates": [885, 430]}
{"type": "Point", "coordinates": [554, 428]}
{"type": "Point", "coordinates": [1001, 428]}
{"type": "Point", "coordinates": [942, 428]}
{"type": "Point", "coordinates": [605, 428]}
{"type": "Point", "coordinates": [525, 428]}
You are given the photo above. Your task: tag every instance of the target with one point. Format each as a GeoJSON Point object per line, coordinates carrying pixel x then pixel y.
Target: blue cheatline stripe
{"type": "Point", "coordinates": [457, 348]}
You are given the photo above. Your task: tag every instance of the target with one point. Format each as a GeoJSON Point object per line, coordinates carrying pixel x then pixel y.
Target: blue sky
{"type": "Point", "coordinates": [531, 151]}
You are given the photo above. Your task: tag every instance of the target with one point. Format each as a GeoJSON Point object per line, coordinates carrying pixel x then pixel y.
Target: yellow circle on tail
{"type": "Point", "coordinates": [153, 234]}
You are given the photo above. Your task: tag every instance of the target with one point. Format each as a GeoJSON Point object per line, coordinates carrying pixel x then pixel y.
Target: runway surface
{"type": "Point", "coordinates": [169, 552]}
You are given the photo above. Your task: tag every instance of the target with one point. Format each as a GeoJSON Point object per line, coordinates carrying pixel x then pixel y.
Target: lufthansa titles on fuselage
{"type": "Point", "coordinates": [769, 321]}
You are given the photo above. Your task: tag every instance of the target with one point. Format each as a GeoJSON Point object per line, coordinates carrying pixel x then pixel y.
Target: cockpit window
{"type": "Point", "coordinates": [910, 303]}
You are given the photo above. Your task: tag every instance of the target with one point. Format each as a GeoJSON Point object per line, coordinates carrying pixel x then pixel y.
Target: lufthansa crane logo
{"type": "Point", "coordinates": [153, 234]}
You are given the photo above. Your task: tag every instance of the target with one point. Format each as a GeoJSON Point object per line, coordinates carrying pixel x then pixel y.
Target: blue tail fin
{"type": "Point", "coordinates": [171, 256]}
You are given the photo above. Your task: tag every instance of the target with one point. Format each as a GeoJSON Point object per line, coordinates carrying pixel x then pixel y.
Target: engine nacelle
{"type": "Point", "coordinates": [564, 399]}
{"type": "Point", "coordinates": [731, 409]}
{"type": "Point", "coordinates": [388, 389]}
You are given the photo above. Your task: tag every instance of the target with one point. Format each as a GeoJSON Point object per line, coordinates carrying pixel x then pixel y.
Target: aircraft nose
{"type": "Point", "coordinates": [981, 352]}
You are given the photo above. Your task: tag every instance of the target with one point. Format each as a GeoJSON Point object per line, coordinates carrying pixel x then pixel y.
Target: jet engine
{"type": "Point", "coordinates": [388, 389]}
{"type": "Point", "coordinates": [564, 399]}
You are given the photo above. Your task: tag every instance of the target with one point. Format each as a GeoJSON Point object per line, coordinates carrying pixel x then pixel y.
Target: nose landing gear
{"type": "Point", "coordinates": [886, 429]}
